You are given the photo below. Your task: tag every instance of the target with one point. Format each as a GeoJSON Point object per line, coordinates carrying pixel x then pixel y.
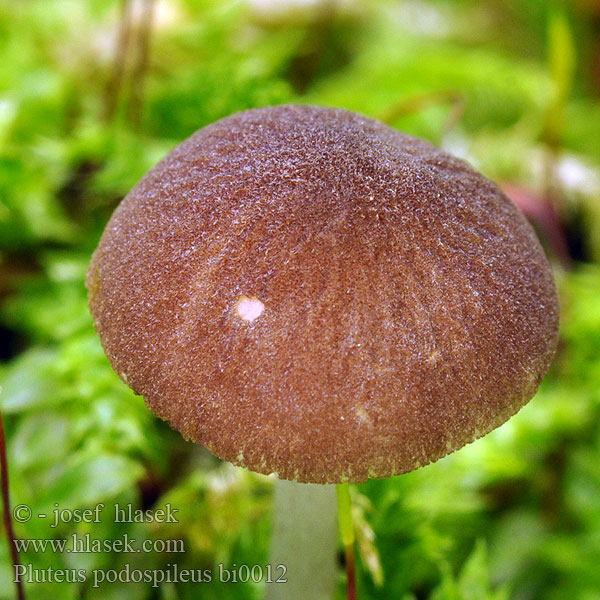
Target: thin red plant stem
{"type": "Point", "coordinates": [350, 573]}
{"type": "Point", "coordinates": [348, 536]}
{"type": "Point", "coordinates": [8, 524]}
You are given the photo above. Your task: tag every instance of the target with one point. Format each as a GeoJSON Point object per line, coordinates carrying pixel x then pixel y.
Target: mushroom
{"type": "Point", "coordinates": [308, 292]}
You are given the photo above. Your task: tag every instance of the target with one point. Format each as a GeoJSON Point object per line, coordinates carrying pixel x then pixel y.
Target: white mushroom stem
{"type": "Point", "coordinates": [304, 540]}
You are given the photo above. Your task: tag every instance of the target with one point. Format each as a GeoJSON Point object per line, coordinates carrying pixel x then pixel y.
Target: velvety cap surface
{"type": "Point", "coordinates": [307, 291]}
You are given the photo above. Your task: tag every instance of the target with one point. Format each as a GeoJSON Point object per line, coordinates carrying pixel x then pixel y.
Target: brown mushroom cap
{"type": "Point", "coordinates": [307, 291]}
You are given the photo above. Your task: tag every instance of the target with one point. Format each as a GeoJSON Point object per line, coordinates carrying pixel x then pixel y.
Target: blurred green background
{"type": "Point", "coordinates": [94, 92]}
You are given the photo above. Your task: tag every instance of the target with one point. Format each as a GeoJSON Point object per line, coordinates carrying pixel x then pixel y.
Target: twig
{"type": "Point", "coordinates": [114, 83]}
{"type": "Point", "coordinates": [140, 67]}
{"type": "Point", "coordinates": [419, 102]}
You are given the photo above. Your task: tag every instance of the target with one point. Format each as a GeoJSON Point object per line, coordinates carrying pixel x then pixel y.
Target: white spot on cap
{"type": "Point", "coordinates": [249, 308]}
{"type": "Point", "coordinates": [363, 416]}
{"type": "Point", "coordinates": [433, 357]}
